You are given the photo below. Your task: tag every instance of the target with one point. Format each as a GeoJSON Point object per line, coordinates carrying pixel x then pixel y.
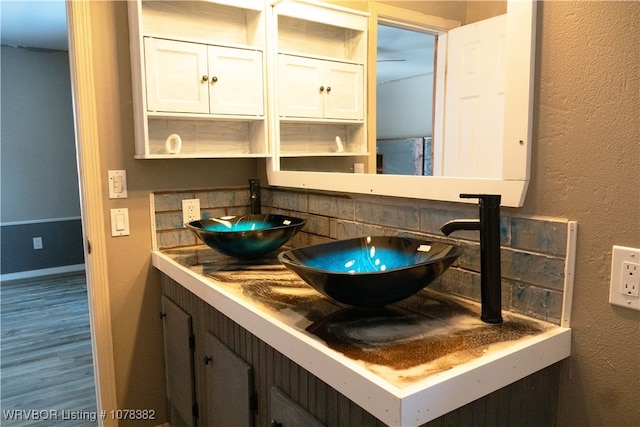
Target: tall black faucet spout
{"type": "Point", "coordinates": [490, 274]}
{"type": "Point", "coordinates": [460, 224]}
{"type": "Point", "coordinates": [254, 196]}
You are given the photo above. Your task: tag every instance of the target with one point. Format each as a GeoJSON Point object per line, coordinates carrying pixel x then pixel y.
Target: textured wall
{"type": "Point", "coordinates": [586, 166]}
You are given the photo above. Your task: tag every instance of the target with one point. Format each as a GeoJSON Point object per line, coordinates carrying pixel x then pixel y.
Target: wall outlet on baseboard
{"type": "Point", "coordinates": [37, 243]}
{"type": "Point", "coordinates": [625, 277]}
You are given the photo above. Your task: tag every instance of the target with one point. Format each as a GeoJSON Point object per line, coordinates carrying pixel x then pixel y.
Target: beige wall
{"type": "Point", "coordinates": [586, 167]}
{"type": "Point", "coordinates": [586, 135]}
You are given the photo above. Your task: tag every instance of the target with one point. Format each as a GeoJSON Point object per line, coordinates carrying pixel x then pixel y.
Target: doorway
{"type": "Point", "coordinates": [47, 357]}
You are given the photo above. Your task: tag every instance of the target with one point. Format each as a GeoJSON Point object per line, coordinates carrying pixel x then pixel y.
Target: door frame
{"type": "Point", "coordinates": [93, 226]}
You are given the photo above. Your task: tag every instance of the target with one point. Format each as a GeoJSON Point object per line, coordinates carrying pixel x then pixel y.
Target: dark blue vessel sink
{"type": "Point", "coordinates": [371, 272]}
{"type": "Point", "coordinates": [246, 236]}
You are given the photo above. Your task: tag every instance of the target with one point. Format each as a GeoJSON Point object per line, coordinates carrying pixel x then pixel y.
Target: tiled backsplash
{"type": "Point", "coordinates": [533, 249]}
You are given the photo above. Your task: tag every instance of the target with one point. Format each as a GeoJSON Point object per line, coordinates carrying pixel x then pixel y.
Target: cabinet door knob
{"type": "Point", "coordinates": [328, 89]}
{"type": "Point", "coordinates": [214, 79]}
{"type": "Point", "coordinates": [207, 359]}
{"type": "Point", "coordinates": [321, 88]}
{"type": "Point", "coordinates": [274, 423]}
{"type": "Point", "coordinates": [205, 78]}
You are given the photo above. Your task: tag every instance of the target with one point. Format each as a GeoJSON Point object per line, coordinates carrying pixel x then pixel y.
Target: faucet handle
{"type": "Point", "coordinates": [487, 200]}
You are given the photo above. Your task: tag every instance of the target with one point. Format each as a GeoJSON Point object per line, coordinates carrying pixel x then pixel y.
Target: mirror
{"type": "Point", "coordinates": [406, 102]}
{"type": "Point", "coordinates": [504, 171]}
{"type": "Point", "coordinates": [405, 77]}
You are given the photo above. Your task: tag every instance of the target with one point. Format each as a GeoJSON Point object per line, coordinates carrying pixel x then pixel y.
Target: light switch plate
{"type": "Point", "coordinates": [117, 184]}
{"type": "Point", "coordinates": [119, 222]}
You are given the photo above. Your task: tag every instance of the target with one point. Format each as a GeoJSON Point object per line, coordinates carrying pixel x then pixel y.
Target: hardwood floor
{"type": "Point", "coordinates": [46, 365]}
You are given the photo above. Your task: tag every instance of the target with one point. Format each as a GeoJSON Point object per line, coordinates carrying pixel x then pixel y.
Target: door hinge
{"type": "Point", "coordinates": [253, 402]}
{"type": "Point", "coordinates": [194, 410]}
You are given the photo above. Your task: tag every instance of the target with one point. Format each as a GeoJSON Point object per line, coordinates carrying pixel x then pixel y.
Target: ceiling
{"type": "Point", "coordinates": [43, 24]}
{"type": "Point", "coordinates": [34, 24]}
{"type": "Point", "coordinates": [403, 53]}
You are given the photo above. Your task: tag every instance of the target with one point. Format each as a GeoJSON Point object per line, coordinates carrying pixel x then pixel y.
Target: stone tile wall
{"type": "Point", "coordinates": [533, 249]}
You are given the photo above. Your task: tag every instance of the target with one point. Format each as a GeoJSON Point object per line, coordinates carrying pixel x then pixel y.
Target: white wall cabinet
{"type": "Point", "coordinates": [176, 75]}
{"type": "Point", "coordinates": [199, 72]}
{"type": "Point", "coordinates": [319, 57]}
{"type": "Point", "coordinates": [321, 89]}
{"type": "Point", "coordinates": [187, 77]}
{"type": "Point", "coordinates": [235, 81]}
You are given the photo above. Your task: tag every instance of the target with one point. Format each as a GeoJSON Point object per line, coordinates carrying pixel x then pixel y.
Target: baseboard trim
{"type": "Point", "coordinates": [42, 272]}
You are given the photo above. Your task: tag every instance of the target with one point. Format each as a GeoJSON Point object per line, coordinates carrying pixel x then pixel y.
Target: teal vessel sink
{"type": "Point", "coordinates": [371, 272]}
{"type": "Point", "coordinates": [247, 236]}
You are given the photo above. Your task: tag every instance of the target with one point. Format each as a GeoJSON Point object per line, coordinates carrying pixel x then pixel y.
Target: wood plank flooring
{"type": "Point", "coordinates": [45, 361]}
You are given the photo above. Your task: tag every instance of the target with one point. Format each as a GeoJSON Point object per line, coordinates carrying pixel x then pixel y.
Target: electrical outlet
{"type": "Point", "coordinates": [625, 277]}
{"type": "Point", "coordinates": [190, 210]}
{"type": "Point", "coordinates": [630, 279]}
{"type": "Point", "coordinates": [37, 243]}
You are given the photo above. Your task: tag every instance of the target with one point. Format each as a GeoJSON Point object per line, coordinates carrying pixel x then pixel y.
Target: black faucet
{"type": "Point", "coordinates": [254, 195]}
{"type": "Point", "coordinates": [490, 275]}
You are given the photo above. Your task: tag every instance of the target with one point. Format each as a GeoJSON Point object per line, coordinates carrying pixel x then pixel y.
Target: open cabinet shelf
{"type": "Point", "coordinates": [199, 77]}
{"type": "Point", "coordinates": [320, 62]}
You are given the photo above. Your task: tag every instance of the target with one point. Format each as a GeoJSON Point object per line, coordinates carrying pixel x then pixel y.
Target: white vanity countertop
{"type": "Point", "coordinates": [406, 364]}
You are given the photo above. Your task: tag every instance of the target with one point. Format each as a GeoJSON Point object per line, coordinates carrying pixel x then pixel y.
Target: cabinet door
{"type": "Point", "coordinates": [177, 76]}
{"type": "Point", "coordinates": [287, 413]}
{"type": "Point", "coordinates": [178, 359]}
{"type": "Point", "coordinates": [344, 91]}
{"type": "Point", "coordinates": [301, 86]}
{"type": "Point", "coordinates": [229, 386]}
{"type": "Point", "coordinates": [235, 81]}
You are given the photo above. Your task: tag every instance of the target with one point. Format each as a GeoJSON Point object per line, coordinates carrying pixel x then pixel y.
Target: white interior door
{"type": "Point", "coordinates": [475, 91]}
{"type": "Point", "coordinates": [344, 91]}
{"type": "Point", "coordinates": [174, 72]}
{"type": "Point", "coordinates": [300, 87]}
{"type": "Point", "coordinates": [235, 81]}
